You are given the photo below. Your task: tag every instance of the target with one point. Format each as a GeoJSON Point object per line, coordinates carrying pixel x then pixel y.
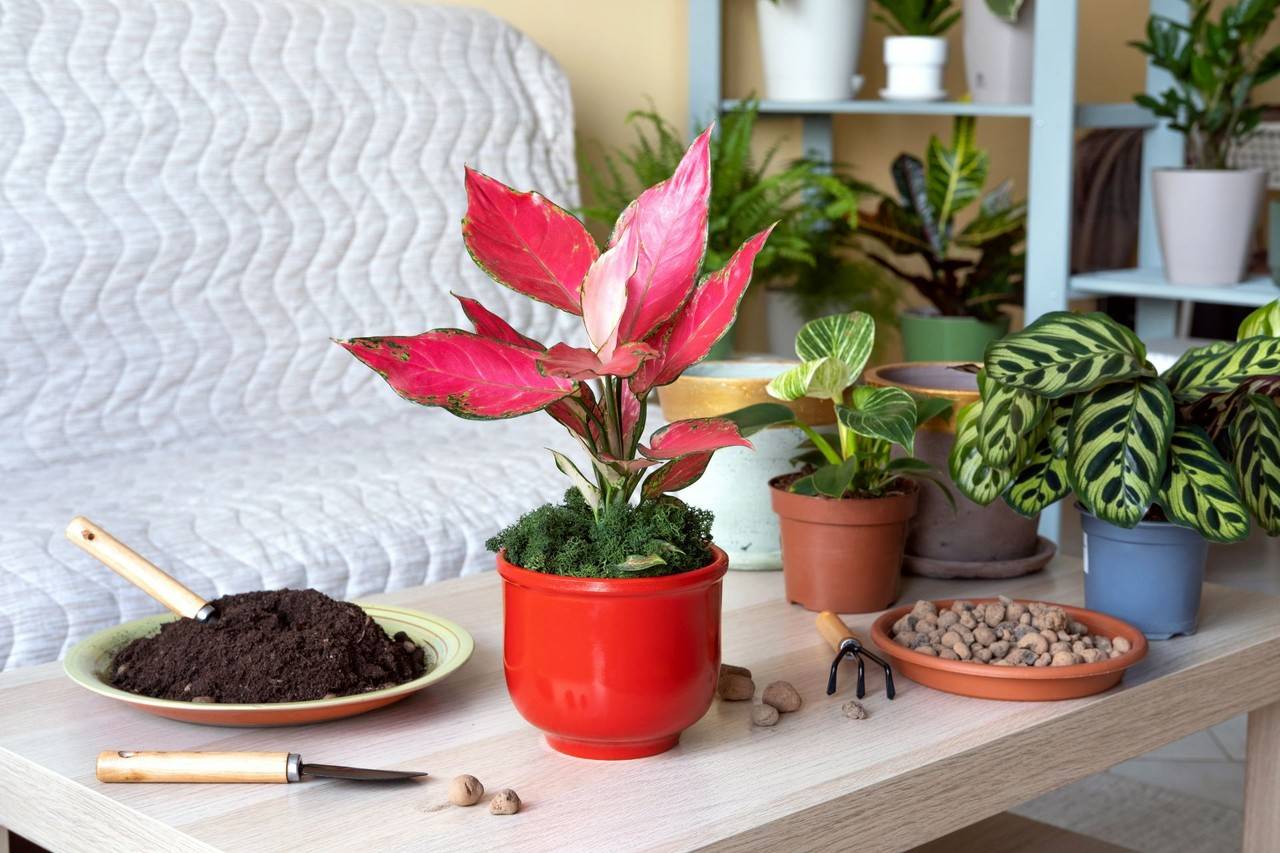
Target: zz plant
{"type": "Point", "coordinates": [1071, 404]}
{"type": "Point", "coordinates": [870, 421]}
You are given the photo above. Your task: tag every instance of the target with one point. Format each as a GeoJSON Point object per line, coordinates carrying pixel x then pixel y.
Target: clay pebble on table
{"type": "Point", "coordinates": [270, 646]}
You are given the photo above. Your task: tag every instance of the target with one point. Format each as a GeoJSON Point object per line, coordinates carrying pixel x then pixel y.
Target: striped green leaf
{"type": "Point", "coordinates": [1118, 448]}
{"type": "Point", "coordinates": [848, 338]}
{"type": "Point", "coordinates": [1255, 439]}
{"type": "Point", "coordinates": [956, 172]}
{"type": "Point", "coordinates": [1200, 490]}
{"type": "Point", "coordinates": [1041, 481]}
{"type": "Point", "coordinates": [1009, 415]}
{"type": "Point", "coordinates": [1264, 322]}
{"type": "Point", "coordinates": [1221, 368]}
{"type": "Point", "coordinates": [824, 377]}
{"type": "Point", "coordinates": [888, 414]}
{"type": "Point", "coordinates": [1065, 353]}
{"type": "Point", "coordinates": [981, 482]}
{"type": "Point", "coordinates": [1057, 422]}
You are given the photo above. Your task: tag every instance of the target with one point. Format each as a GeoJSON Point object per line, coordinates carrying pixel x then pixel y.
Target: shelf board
{"type": "Point", "coordinates": [875, 106]}
{"type": "Point", "coordinates": [1150, 284]}
{"type": "Point", "coordinates": [1112, 116]}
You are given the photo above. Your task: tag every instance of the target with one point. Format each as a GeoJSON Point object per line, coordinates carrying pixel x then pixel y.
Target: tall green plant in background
{"type": "Point", "coordinates": [1215, 66]}
{"type": "Point", "coordinates": [814, 205]}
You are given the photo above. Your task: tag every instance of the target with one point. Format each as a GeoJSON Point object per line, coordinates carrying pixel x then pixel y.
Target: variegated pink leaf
{"type": "Point", "coordinates": [675, 475]}
{"type": "Point", "coordinates": [670, 221]}
{"type": "Point", "coordinates": [471, 376]}
{"type": "Point", "coordinates": [604, 293]}
{"type": "Point", "coordinates": [695, 435]}
{"type": "Point", "coordinates": [629, 466]}
{"type": "Point", "coordinates": [575, 413]}
{"type": "Point", "coordinates": [688, 336]}
{"type": "Point", "coordinates": [579, 363]}
{"type": "Point", "coordinates": [527, 243]}
{"type": "Point", "coordinates": [489, 325]}
{"type": "Point", "coordinates": [630, 412]}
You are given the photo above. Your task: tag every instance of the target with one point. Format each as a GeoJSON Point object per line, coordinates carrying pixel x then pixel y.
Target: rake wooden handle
{"type": "Point", "coordinates": [135, 568]}
{"type": "Point", "coordinates": [833, 630]}
{"type": "Point", "coordinates": [259, 767]}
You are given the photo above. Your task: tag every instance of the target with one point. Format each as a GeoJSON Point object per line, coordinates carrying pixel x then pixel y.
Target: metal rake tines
{"type": "Point", "coordinates": [851, 647]}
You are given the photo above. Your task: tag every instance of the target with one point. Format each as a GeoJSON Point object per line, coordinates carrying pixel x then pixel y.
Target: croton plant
{"type": "Point", "coordinates": [646, 315]}
{"type": "Point", "coordinates": [1071, 404]}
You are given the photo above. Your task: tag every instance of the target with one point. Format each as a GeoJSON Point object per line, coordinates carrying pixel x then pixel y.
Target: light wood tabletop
{"type": "Point", "coordinates": [919, 767]}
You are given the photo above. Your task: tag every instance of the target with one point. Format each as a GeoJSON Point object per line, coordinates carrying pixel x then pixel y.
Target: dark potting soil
{"type": "Point", "coordinates": [278, 646]}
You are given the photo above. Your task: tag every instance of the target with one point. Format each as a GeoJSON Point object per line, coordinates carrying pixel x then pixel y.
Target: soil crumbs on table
{"type": "Point", "coordinates": [276, 646]}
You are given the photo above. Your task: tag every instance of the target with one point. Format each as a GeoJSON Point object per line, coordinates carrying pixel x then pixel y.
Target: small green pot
{"type": "Point", "coordinates": [932, 337]}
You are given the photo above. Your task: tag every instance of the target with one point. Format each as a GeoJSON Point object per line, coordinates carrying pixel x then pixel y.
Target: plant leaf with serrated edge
{"type": "Point", "coordinates": [1263, 322]}
{"type": "Point", "coordinates": [978, 481]}
{"type": "Point", "coordinates": [1224, 369]}
{"type": "Point", "coordinates": [888, 414]}
{"type": "Point", "coordinates": [1008, 416]}
{"type": "Point", "coordinates": [1118, 448]}
{"type": "Point", "coordinates": [1255, 436]}
{"type": "Point", "coordinates": [1200, 489]}
{"type": "Point", "coordinates": [589, 492]}
{"type": "Point", "coordinates": [1042, 479]}
{"type": "Point", "coordinates": [1063, 353]}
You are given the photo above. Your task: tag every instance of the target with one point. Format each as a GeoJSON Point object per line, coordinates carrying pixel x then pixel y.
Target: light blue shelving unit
{"type": "Point", "coordinates": [1054, 117]}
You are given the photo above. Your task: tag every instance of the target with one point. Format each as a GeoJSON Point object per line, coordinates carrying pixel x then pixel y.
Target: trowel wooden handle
{"type": "Point", "coordinates": [259, 767]}
{"type": "Point", "coordinates": [134, 568]}
{"type": "Point", "coordinates": [833, 630]}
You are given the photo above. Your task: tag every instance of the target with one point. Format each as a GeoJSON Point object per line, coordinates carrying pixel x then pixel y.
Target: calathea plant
{"type": "Point", "coordinates": [870, 421]}
{"type": "Point", "coordinates": [969, 271]}
{"type": "Point", "coordinates": [1071, 404]}
{"type": "Point", "coordinates": [645, 312]}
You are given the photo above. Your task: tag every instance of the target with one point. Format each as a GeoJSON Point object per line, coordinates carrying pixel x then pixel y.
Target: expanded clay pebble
{"type": "Point", "coordinates": [735, 688]}
{"type": "Point", "coordinates": [465, 790]}
{"type": "Point", "coordinates": [781, 695]}
{"type": "Point", "coordinates": [854, 710]}
{"type": "Point", "coordinates": [764, 715]}
{"type": "Point", "coordinates": [505, 801]}
{"type": "Point", "coordinates": [1003, 633]}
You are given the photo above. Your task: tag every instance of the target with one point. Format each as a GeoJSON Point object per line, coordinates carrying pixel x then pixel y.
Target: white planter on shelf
{"type": "Point", "coordinates": [810, 48]}
{"type": "Point", "coordinates": [914, 65]}
{"type": "Point", "coordinates": [997, 54]}
{"type": "Point", "coordinates": [783, 322]}
{"type": "Point", "coordinates": [1206, 220]}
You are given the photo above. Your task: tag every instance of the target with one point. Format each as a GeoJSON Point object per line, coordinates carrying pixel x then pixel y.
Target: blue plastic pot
{"type": "Point", "coordinates": [1150, 575]}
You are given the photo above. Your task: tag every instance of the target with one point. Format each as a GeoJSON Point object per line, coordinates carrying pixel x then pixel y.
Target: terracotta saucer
{"type": "Point", "coordinates": [1020, 683]}
{"type": "Point", "coordinates": [448, 647]}
{"type": "Point", "coordinates": [931, 567]}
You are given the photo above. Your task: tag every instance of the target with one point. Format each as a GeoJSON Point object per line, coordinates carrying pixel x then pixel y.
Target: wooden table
{"type": "Point", "coordinates": [818, 780]}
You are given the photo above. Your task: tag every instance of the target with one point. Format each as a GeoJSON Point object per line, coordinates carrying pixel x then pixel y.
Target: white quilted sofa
{"type": "Point", "coordinates": [194, 197]}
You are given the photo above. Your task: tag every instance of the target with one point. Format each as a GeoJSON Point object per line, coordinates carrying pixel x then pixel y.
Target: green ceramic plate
{"type": "Point", "coordinates": [448, 647]}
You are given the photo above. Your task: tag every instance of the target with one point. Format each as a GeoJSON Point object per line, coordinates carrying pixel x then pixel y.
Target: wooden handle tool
{"type": "Point", "coordinates": [138, 570]}
{"type": "Point", "coordinates": [834, 631]}
{"type": "Point", "coordinates": [845, 644]}
{"type": "Point", "coordinates": [134, 766]}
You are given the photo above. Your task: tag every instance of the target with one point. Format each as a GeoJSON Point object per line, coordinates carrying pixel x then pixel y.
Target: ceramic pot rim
{"type": "Point", "coordinates": [1141, 525]}
{"type": "Point", "coordinates": [847, 512]}
{"type": "Point", "coordinates": [616, 587]}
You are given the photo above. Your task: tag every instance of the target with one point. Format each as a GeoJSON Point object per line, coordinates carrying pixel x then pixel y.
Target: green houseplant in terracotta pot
{"type": "Point", "coordinates": [970, 271]}
{"type": "Point", "coordinates": [611, 608]}
{"type": "Point", "coordinates": [1159, 464]}
{"type": "Point", "coordinates": [844, 515]}
{"type": "Point", "coordinates": [1207, 212]}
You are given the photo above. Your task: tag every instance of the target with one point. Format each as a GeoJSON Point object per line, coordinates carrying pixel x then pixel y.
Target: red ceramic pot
{"type": "Point", "coordinates": [612, 668]}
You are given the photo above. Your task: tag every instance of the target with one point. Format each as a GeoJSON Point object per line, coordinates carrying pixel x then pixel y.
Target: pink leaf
{"type": "Point", "coordinates": [527, 243]}
{"type": "Point", "coordinates": [689, 335]}
{"type": "Point", "coordinates": [575, 413]}
{"type": "Point", "coordinates": [675, 476]}
{"type": "Point", "coordinates": [490, 325]}
{"type": "Point", "coordinates": [578, 363]}
{"type": "Point", "coordinates": [604, 293]}
{"type": "Point", "coordinates": [696, 435]}
{"type": "Point", "coordinates": [670, 220]}
{"type": "Point", "coordinates": [628, 466]}
{"type": "Point", "coordinates": [471, 376]}
{"type": "Point", "coordinates": [630, 411]}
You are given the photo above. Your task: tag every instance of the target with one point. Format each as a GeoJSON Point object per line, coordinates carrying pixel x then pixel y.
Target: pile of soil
{"type": "Point", "coordinates": [278, 646]}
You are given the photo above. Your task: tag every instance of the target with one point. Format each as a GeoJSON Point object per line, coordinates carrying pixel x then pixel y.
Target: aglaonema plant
{"type": "Point", "coordinates": [857, 461]}
{"type": "Point", "coordinates": [645, 313]}
{"type": "Point", "coordinates": [1071, 404]}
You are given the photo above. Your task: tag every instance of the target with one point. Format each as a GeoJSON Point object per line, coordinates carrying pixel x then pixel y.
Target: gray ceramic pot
{"type": "Point", "coordinates": [1149, 576]}
{"type": "Point", "coordinates": [998, 54]}
{"type": "Point", "coordinates": [1206, 220]}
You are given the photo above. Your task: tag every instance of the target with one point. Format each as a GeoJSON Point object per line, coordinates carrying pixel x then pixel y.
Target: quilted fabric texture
{"type": "Point", "coordinates": [194, 197]}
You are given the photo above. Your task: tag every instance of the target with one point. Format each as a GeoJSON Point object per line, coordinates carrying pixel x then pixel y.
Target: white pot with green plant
{"type": "Point", "coordinates": [916, 53]}
{"type": "Point", "coordinates": [810, 48]}
{"type": "Point", "coordinates": [998, 48]}
{"type": "Point", "coordinates": [1207, 213]}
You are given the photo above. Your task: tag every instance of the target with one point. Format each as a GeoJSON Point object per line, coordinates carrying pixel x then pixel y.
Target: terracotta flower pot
{"type": "Point", "coordinates": [842, 555]}
{"type": "Point", "coordinates": [612, 668]}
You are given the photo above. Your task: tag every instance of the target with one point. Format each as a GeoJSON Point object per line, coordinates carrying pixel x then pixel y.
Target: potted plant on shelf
{"type": "Point", "coordinates": [612, 610]}
{"type": "Point", "coordinates": [809, 48]}
{"type": "Point", "coordinates": [917, 51]}
{"type": "Point", "coordinates": [970, 271]}
{"type": "Point", "coordinates": [1159, 464]}
{"type": "Point", "coordinates": [999, 41]}
{"type": "Point", "coordinates": [1206, 213]}
{"type": "Point", "coordinates": [844, 515]}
